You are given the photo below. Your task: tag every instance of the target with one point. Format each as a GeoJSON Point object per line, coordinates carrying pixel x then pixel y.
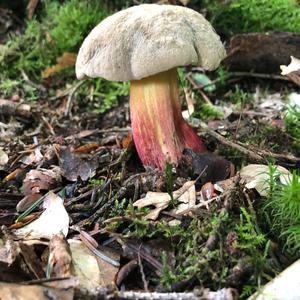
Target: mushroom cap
{"type": "Point", "coordinates": [148, 39]}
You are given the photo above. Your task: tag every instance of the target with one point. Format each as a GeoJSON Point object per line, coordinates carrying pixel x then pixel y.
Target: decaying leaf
{"type": "Point", "coordinates": [292, 67]}
{"type": "Point", "coordinates": [257, 176]}
{"type": "Point", "coordinates": [207, 191]}
{"type": "Point", "coordinates": [31, 6]}
{"type": "Point", "coordinates": [60, 260]}
{"type": "Point", "coordinates": [52, 221]}
{"type": "Point", "coordinates": [74, 167]}
{"type": "Point", "coordinates": [12, 291]}
{"type": "Point", "coordinates": [208, 166]}
{"type": "Point", "coordinates": [66, 60]}
{"type": "Point", "coordinates": [186, 195]}
{"type": "Point", "coordinates": [33, 158]}
{"type": "Point", "coordinates": [41, 180]}
{"type": "Point", "coordinates": [17, 260]}
{"type": "Point", "coordinates": [27, 201]}
{"type": "Point", "coordinates": [292, 70]}
{"type": "Point", "coordinates": [3, 158]}
{"type": "Point", "coordinates": [87, 268]}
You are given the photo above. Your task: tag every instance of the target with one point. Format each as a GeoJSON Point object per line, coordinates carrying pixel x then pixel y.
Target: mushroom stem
{"type": "Point", "coordinates": [159, 131]}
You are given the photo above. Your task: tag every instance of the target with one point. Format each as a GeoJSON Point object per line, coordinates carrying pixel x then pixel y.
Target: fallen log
{"type": "Point", "coordinates": [262, 52]}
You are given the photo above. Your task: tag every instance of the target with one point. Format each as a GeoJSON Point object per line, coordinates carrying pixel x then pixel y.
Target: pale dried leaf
{"type": "Point", "coordinates": [91, 271]}
{"type": "Point", "coordinates": [3, 158]}
{"type": "Point", "coordinates": [41, 179]}
{"type": "Point", "coordinates": [292, 67]}
{"type": "Point", "coordinates": [186, 195]}
{"type": "Point", "coordinates": [60, 260]}
{"type": "Point", "coordinates": [33, 158]}
{"type": "Point", "coordinates": [65, 61]}
{"type": "Point", "coordinates": [257, 176]}
{"type": "Point", "coordinates": [52, 221]}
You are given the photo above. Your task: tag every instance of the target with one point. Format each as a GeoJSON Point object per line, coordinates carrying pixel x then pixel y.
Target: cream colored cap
{"type": "Point", "coordinates": [147, 39]}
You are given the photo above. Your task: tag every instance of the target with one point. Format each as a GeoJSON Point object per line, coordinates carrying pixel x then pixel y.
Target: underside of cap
{"type": "Point", "coordinates": [148, 39]}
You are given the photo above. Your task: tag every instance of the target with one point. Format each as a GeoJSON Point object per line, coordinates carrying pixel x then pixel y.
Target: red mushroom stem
{"type": "Point", "coordinates": [159, 131]}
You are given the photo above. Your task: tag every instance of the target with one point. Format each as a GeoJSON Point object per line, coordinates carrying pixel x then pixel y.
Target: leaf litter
{"type": "Point", "coordinates": [103, 230]}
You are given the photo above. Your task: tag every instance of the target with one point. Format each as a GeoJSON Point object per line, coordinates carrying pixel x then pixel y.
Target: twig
{"type": "Point", "coordinates": [240, 148]}
{"type": "Point", "coordinates": [256, 154]}
{"type": "Point", "coordinates": [70, 96]}
{"type": "Point", "coordinates": [35, 85]}
{"type": "Point", "coordinates": [142, 270]}
{"type": "Point", "coordinates": [223, 294]}
{"type": "Point", "coordinates": [287, 157]}
{"type": "Point", "coordinates": [257, 75]}
{"type": "Point", "coordinates": [237, 74]}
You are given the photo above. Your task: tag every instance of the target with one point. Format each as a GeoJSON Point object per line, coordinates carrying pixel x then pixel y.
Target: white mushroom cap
{"type": "Point", "coordinates": [147, 39]}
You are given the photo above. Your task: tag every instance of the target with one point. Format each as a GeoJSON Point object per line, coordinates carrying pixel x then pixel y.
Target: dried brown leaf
{"type": "Point", "coordinates": [12, 291]}
{"type": "Point", "coordinates": [32, 4]}
{"type": "Point", "coordinates": [66, 60]}
{"type": "Point", "coordinates": [91, 270]}
{"type": "Point", "coordinates": [186, 195]}
{"type": "Point", "coordinates": [60, 259]}
{"type": "Point", "coordinates": [41, 180]}
{"type": "Point", "coordinates": [3, 158]}
{"type": "Point", "coordinates": [74, 167]}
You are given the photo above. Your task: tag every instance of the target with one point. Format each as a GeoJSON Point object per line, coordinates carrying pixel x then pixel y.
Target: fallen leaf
{"type": "Point", "coordinates": [292, 67]}
{"type": "Point", "coordinates": [60, 260]}
{"type": "Point", "coordinates": [13, 291]}
{"type": "Point", "coordinates": [52, 221]}
{"type": "Point", "coordinates": [87, 148]}
{"type": "Point", "coordinates": [13, 174]}
{"type": "Point", "coordinates": [257, 177]}
{"type": "Point", "coordinates": [294, 100]}
{"type": "Point", "coordinates": [87, 268]}
{"type": "Point", "coordinates": [66, 60]}
{"type": "Point", "coordinates": [33, 158]}
{"type": "Point", "coordinates": [73, 166]}
{"type": "Point", "coordinates": [27, 201]}
{"type": "Point", "coordinates": [211, 167]}
{"type": "Point", "coordinates": [3, 158]}
{"type": "Point", "coordinates": [292, 71]}
{"type": "Point", "coordinates": [31, 6]}
{"type": "Point", "coordinates": [186, 195]}
{"type": "Point", "coordinates": [41, 180]}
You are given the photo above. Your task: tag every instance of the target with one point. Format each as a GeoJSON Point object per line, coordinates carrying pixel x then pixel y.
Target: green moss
{"type": "Point", "coordinates": [107, 93]}
{"type": "Point", "coordinates": [238, 16]}
{"type": "Point", "coordinates": [73, 21]}
{"type": "Point", "coordinates": [29, 52]}
{"type": "Point", "coordinates": [208, 111]}
{"type": "Point", "coordinates": [59, 28]}
{"type": "Point", "coordinates": [292, 121]}
{"type": "Point", "coordinates": [283, 210]}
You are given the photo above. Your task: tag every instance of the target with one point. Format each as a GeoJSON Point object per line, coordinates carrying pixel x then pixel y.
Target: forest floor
{"type": "Point", "coordinates": [205, 230]}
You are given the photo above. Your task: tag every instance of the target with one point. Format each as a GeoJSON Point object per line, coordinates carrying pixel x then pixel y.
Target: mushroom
{"type": "Point", "coordinates": [145, 44]}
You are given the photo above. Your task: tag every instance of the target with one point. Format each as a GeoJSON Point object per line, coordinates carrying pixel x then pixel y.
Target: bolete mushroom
{"type": "Point", "coordinates": [145, 44]}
